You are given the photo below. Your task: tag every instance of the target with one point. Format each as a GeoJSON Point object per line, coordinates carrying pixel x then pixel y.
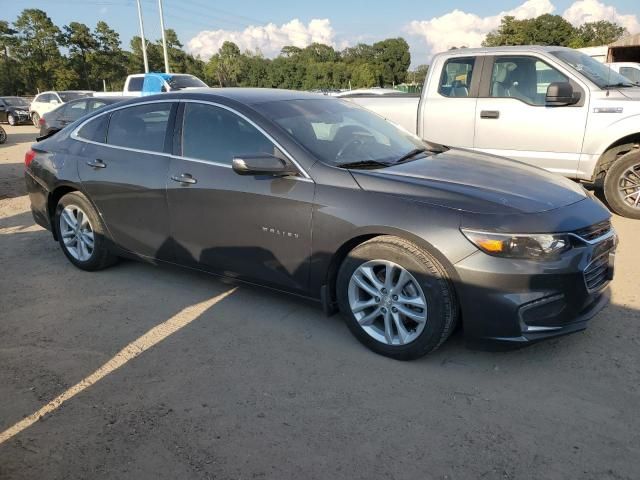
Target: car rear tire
{"type": "Point", "coordinates": [81, 233]}
{"type": "Point", "coordinates": [622, 185]}
{"type": "Point", "coordinates": [11, 120]}
{"type": "Point", "coordinates": [3, 135]}
{"type": "Point", "coordinates": [397, 298]}
{"type": "Point", "coordinates": [35, 118]}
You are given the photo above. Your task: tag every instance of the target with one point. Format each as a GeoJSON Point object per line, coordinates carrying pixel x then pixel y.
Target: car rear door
{"type": "Point", "coordinates": [254, 227]}
{"type": "Point", "coordinates": [513, 120]}
{"type": "Point", "coordinates": [125, 174]}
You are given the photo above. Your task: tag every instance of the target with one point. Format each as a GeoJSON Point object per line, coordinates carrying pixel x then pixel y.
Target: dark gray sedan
{"type": "Point", "coordinates": [315, 196]}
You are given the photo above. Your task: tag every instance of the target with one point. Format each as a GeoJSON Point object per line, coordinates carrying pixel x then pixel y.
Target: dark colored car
{"type": "Point", "coordinates": [73, 110]}
{"type": "Point", "coordinates": [318, 197]}
{"type": "Point", "coordinates": [14, 110]}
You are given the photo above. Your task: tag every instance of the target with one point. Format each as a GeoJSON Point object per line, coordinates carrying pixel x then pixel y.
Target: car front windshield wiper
{"type": "Point", "coordinates": [619, 85]}
{"type": "Point", "coordinates": [409, 155]}
{"type": "Point", "coordinates": [363, 164]}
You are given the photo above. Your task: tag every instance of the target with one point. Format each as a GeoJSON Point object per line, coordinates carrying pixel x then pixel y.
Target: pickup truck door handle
{"type": "Point", "coordinates": [97, 163]}
{"type": "Point", "coordinates": [184, 179]}
{"type": "Point", "coordinates": [493, 114]}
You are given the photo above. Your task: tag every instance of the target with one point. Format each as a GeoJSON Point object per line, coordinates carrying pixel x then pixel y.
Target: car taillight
{"type": "Point", "coordinates": [28, 157]}
{"type": "Point", "coordinates": [42, 121]}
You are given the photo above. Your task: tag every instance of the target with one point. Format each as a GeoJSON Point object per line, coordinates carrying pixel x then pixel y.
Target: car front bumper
{"type": "Point", "coordinates": [22, 117]}
{"type": "Point", "coordinates": [511, 302]}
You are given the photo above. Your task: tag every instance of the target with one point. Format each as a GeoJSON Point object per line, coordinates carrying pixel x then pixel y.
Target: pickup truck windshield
{"type": "Point", "coordinates": [341, 133]}
{"type": "Point", "coordinates": [597, 72]}
{"type": "Point", "coordinates": [177, 82]}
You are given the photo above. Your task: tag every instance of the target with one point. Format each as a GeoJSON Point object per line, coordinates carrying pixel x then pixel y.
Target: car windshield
{"type": "Point", "coordinates": [15, 101]}
{"type": "Point", "coordinates": [341, 133]}
{"type": "Point", "coordinates": [68, 96]}
{"type": "Point", "coordinates": [597, 72]}
{"type": "Point", "coordinates": [176, 82]}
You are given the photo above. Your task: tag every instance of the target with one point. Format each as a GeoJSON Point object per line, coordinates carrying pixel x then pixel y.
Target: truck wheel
{"type": "Point", "coordinates": [622, 185]}
{"type": "Point", "coordinates": [35, 118]}
{"type": "Point", "coordinates": [396, 298]}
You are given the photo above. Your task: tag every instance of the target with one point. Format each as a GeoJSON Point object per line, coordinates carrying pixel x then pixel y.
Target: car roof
{"type": "Point", "coordinates": [508, 49]}
{"type": "Point", "coordinates": [248, 96]}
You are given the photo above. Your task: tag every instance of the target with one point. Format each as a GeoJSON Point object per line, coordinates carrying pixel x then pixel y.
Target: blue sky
{"type": "Point", "coordinates": [428, 26]}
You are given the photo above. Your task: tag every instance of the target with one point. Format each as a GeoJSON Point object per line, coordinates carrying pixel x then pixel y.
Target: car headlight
{"type": "Point", "coordinates": [536, 246]}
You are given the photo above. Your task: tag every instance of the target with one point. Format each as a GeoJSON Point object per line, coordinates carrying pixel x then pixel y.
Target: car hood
{"type": "Point", "coordinates": [473, 182]}
{"type": "Point", "coordinates": [632, 93]}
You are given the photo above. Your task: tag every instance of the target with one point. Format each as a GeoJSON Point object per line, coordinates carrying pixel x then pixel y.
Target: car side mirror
{"type": "Point", "coordinates": [263, 164]}
{"type": "Point", "coordinates": [560, 94]}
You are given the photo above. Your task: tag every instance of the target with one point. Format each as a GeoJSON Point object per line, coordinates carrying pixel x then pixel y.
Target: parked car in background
{"type": "Point", "coordinates": [14, 110]}
{"type": "Point", "coordinates": [551, 107]}
{"type": "Point", "coordinates": [47, 101]}
{"type": "Point", "coordinates": [141, 84]}
{"type": "Point", "coordinates": [71, 111]}
{"type": "Point", "coordinates": [630, 70]}
{"type": "Point", "coordinates": [316, 196]}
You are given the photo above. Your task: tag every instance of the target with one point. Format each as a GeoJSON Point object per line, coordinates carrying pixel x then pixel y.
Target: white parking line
{"type": "Point", "coordinates": [131, 351]}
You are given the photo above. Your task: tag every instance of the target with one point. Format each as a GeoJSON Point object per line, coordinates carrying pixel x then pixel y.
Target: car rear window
{"type": "Point", "coordinates": [135, 84]}
{"type": "Point", "coordinates": [142, 127]}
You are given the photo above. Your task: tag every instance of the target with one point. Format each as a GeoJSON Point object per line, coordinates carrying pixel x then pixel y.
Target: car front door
{"type": "Point", "coordinates": [253, 227]}
{"type": "Point", "coordinates": [125, 173]}
{"type": "Point", "coordinates": [513, 120]}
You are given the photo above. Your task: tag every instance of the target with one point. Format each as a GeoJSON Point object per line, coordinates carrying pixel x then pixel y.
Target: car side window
{"type": "Point", "coordinates": [142, 127]}
{"type": "Point", "coordinates": [135, 84]}
{"type": "Point", "coordinates": [218, 135]}
{"type": "Point", "coordinates": [631, 73]}
{"type": "Point", "coordinates": [44, 98]}
{"type": "Point", "coordinates": [524, 78]}
{"type": "Point", "coordinates": [95, 130]}
{"type": "Point", "coordinates": [76, 110]}
{"type": "Point", "coordinates": [456, 77]}
{"type": "Point", "coordinates": [96, 104]}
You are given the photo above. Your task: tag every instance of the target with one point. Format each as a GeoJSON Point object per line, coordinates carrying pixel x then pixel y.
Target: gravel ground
{"type": "Point", "coordinates": [263, 385]}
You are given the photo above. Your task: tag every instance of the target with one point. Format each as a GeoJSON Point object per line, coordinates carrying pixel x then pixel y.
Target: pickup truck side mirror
{"type": "Point", "coordinates": [262, 164]}
{"type": "Point", "coordinates": [560, 94]}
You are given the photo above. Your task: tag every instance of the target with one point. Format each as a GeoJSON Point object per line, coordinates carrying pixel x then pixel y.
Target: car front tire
{"type": "Point", "coordinates": [81, 233]}
{"type": "Point", "coordinates": [396, 298]}
{"type": "Point", "coordinates": [622, 185]}
{"type": "Point", "coordinates": [11, 120]}
{"type": "Point", "coordinates": [35, 118]}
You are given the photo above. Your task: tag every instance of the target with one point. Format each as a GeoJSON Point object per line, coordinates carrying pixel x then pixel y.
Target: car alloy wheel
{"type": "Point", "coordinates": [387, 302]}
{"type": "Point", "coordinates": [12, 120]}
{"type": "Point", "coordinates": [77, 233]}
{"type": "Point", "coordinates": [629, 186]}
{"type": "Point", "coordinates": [35, 118]}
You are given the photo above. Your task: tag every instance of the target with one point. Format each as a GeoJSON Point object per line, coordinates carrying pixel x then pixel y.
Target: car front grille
{"type": "Point", "coordinates": [597, 275]}
{"type": "Point", "coordinates": [594, 231]}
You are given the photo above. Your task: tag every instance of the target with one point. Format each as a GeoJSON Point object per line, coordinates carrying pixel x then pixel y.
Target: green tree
{"type": "Point", "coordinates": [36, 49]}
{"type": "Point", "coordinates": [10, 80]}
{"type": "Point", "coordinates": [108, 61]}
{"type": "Point", "coordinates": [392, 58]}
{"type": "Point", "coordinates": [77, 37]}
{"type": "Point", "coordinates": [225, 67]}
{"type": "Point", "coordinates": [592, 34]}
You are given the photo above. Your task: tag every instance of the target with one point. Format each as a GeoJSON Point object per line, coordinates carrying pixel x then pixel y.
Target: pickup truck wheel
{"type": "Point", "coordinates": [622, 185]}
{"type": "Point", "coordinates": [396, 298]}
{"type": "Point", "coordinates": [35, 118]}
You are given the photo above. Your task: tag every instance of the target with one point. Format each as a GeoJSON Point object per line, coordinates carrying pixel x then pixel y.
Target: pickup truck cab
{"type": "Point", "coordinates": [141, 84]}
{"type": "Point", "coordinates": [631, 70]}
{"type": "Point", "coordinates": [552, 107]}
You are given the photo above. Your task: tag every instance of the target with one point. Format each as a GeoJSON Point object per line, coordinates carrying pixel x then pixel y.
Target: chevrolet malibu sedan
{"type": "Point", "coordinates": [317, 197]}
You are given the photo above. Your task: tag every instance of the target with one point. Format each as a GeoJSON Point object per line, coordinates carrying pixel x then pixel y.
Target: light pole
{"type": "Point", "coordinates": [164, 39]}
{"type": "Point", "coordinates": [144, 43]}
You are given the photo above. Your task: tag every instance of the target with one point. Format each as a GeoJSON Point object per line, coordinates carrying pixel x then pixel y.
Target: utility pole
{"type": "Point", "coordinates": [164, 39]}
{"type": "Point", "coordinates": [144, 43]}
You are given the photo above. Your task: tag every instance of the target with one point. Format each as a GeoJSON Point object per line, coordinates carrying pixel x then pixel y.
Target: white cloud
{"type": "Point", "coordinates": [269, 39]}
{"type": "Point", "coordinates": [592, 10]}
{"type": "Point", "coordinates": [458, 28]}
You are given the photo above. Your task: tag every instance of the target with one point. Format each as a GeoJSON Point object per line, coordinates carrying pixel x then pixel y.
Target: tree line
{"type": "Point", "coordinates": [37, 55]}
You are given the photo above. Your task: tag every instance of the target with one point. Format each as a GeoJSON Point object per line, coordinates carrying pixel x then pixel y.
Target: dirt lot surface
{"type": "Point", "coordinates": [263, 385]}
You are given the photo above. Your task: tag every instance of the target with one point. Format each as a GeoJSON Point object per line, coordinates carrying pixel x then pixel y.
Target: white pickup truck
{"type": "Point", "coordinates": [552, 107]}
{"type": "Point", "coordinates": [140, 84]}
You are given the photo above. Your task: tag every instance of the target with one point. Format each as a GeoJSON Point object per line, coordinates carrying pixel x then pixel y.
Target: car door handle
{"type": "Point", "coordinates": [97, 163]}
{"type": "Point", "coordinates": [185, 179]}
{"type": "Point", "coordinates": [492, 114]}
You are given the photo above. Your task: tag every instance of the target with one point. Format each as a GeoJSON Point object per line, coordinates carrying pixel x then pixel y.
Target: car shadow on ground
{"type": "Point", "coordinates": [12, 180]}
{"type": "Point", "coordinates": [16, 138]}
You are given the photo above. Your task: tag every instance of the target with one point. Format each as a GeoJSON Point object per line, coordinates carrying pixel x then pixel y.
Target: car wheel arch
{"type": "Point", "coordinates": [614, 151]}
{"type": "Point", "coordinates": [329, 282]}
